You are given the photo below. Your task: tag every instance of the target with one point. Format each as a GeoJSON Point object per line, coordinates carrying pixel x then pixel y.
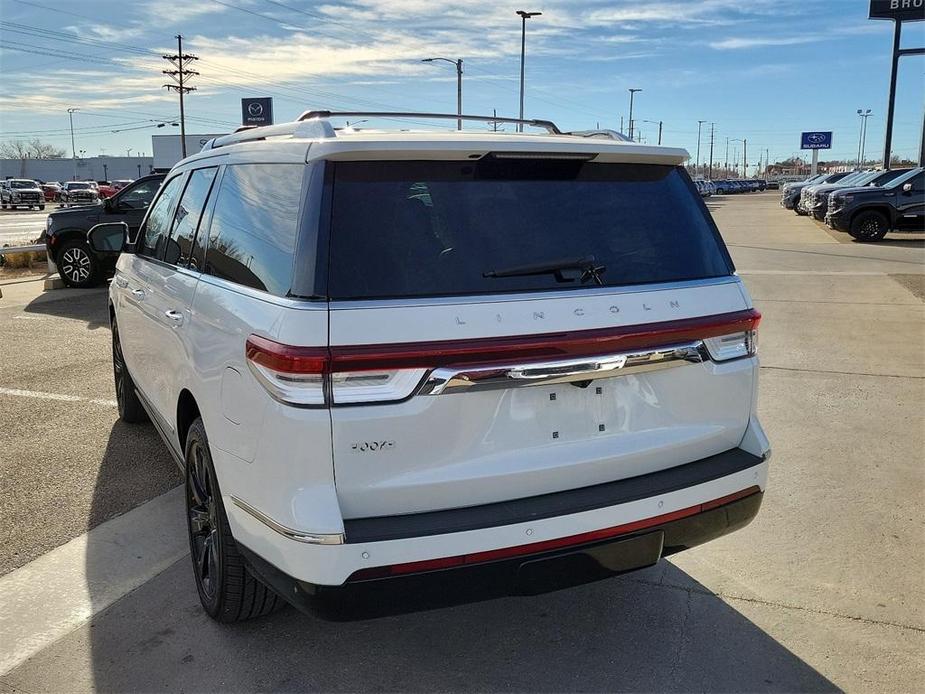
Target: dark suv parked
{"type": "Point", "coordinates": [66, 231]}
{"type": "Point", "coordinates": [869, 213]}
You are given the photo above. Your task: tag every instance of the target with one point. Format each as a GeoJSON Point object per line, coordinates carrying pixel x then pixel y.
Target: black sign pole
{"type": "Point", "coordinates": [888, 144]}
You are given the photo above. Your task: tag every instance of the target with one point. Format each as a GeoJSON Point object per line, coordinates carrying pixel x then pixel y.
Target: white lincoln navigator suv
{"type": "Point", "coordinates": [395, 357]}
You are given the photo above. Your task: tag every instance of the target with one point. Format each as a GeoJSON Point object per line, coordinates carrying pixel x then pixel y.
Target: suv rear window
{"type": "Point", "coordinates": [415, 228]}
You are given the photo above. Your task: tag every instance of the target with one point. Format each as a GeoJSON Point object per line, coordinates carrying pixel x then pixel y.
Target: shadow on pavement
{"type": "Point", "coordinates": [89, 305]}
{"type": "Point", "coordinates": [627, 633]}
{"type": "Point", "coordinates": [136, 467]}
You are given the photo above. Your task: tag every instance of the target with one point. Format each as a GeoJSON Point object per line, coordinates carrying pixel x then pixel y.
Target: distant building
{"type": "Point", "coordinates": [167, 150]}
{"type": "Point", "coordinates": [87, 168]}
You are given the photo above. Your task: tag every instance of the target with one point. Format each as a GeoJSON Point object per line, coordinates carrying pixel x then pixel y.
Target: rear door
{"type": "Point", "coordinates": [508, 328]}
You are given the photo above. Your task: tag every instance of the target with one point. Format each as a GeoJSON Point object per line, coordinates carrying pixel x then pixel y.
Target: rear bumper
{"type": "Point", "coordinates": [484, 533]}
{"type": "Point", "coordinates": [530, 573]}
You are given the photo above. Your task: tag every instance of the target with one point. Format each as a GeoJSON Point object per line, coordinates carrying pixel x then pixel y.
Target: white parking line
{"type": "Point", "coordinates": [51, 596]}
{"type": "Point", "coordinates": [55, 396]}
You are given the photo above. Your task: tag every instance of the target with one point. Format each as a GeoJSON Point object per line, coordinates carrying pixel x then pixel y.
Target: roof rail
{"type": "Point", "coordinates": [549, 126]}
{"type": "Point", "coordinates": [609, 134]}
{"type": "Point", "coordinates": [306, 129]}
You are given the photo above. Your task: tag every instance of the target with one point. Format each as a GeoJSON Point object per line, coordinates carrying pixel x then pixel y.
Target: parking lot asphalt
{"type": "Point", "coordinates": [822, 592]}
{"type": "Point", "coordinates": [23, 226]}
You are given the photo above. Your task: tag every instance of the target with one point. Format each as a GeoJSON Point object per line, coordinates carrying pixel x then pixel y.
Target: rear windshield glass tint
{"type": "Point", "coordinates": [409, 229]}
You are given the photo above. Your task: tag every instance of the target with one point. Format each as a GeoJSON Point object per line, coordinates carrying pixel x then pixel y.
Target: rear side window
{"type": "Point", "coordinates": [140, 196]}
{"type": "Point", "coordinates": [254, 225]}
{"type": "Point", "coordinates": [411, 229]}
{"type": "Point", "coordinates": [187, 216]}
{"type": "Point", "coordinates": [157, 226]}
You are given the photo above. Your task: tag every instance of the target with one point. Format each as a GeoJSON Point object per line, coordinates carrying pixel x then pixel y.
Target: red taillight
{"type": "Point", "coordinates": [546, 545]}
{"type": "Point", "coordinates": [294, 375]}
{"type": "Point", "coordinates": [390, 372]}
{"type": "Point", "coordinates": [285, 358]}
{"type": "Point", "coordinates": [544, 346]}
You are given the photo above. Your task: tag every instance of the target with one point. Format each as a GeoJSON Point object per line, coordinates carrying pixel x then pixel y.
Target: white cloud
{"type": "Point", "coordinates": [759, 42]}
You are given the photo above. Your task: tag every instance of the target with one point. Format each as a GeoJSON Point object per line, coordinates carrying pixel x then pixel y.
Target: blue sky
{"type": "Point", "coordinates": [762, 70]}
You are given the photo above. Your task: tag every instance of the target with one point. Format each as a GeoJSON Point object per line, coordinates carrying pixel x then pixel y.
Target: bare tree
{"type": "Point", "coordinates": [44, 150]}
{"type": "Point", "coordinates": [33, 149]}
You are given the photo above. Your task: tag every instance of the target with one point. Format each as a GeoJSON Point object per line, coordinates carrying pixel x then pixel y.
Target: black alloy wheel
{"type": "Point", "coordinates": [869, 226]}
{"type": "Point", "coordinates": [228, 590]}
{"type": "Point", "coordinates": [77, 265]}
{"type": "Point", "coordinates": [203, 523]}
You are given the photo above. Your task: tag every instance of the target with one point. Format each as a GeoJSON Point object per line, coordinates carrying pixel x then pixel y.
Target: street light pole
{"type": "Point", "coordinates": [524, 16]}
{"type": "Point", "coordinates": [697, 164]}
{"type": "Point", "coordinates": [632, 92]}
{"type": "Point", "coordinates": [735, 156]}
{"type": "Point", "coordinates": [654, 122]}
{"type": "Point", "coordinates": [458, 63]}
{"type": "Point", "coordinates": [70, 115]}
{"type": "Point", "coordinates": [867, 114]}
{"type": "Point", "coordinates": [710, 165]}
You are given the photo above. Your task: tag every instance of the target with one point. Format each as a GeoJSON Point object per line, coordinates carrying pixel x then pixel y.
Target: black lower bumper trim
{"type": "Point", "coordinates": [526, 575]}
{"type": "Point", "coordinates": [533, 508]}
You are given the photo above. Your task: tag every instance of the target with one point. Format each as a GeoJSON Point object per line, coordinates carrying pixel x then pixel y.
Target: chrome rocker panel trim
{"type": "Point", "coordinates": [289, 533]}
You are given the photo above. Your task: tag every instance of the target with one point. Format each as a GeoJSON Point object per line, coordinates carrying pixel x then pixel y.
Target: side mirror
{"type": "Point", "coordinates": [907, 187]}
{"type": "Point", "coordinates": [111, 237]}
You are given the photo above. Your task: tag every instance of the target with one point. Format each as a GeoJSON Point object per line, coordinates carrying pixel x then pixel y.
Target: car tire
{"type": "Point", "coordinates": [77, 265]}
{"type": "Point", "coordinates": [869, 226]}
{"type": "Point", "coordinates": [131, 411]}
{"type": "Point", "coordinates": [41, 207]}
{"type": "Point", "coordinates": [228, 591]}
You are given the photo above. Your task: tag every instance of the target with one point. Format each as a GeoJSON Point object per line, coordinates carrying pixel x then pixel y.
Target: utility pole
{"type": "Point", "coordinates": [180, 61]}
{"type": "Point", "coordinates": [632, 92]}
{"type": "Point", "coordinates": [697, 165]}
{"type": "Point", "coordinates": [621, 124]}
{"type": "Point", "coordinates": [726, 160]}
{"type": "Point", "coordinates": [745, 158]}
{"type": "Point", "coordinates": [710, 168]}
{"type": "Point", "coordinates": [524, 16]}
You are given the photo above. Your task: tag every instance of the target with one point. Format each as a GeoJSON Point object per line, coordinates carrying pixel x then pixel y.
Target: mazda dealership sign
{"type": "Point", "coordinates": [257, 111]}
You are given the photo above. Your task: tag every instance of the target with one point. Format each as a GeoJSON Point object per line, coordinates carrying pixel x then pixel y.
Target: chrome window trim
{"type": "Point", "coordinates": [470, 299]}
{"type": "Point", "coordinates": [290, 533]}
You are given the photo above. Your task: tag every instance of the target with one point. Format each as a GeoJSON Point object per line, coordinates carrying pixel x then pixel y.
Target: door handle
{"type": "Point", "coordinates": [139, 294]}
{"type": "Point", "coordinates": [175, 316]}
{"type": "Point", "coordinates": [121, 282]}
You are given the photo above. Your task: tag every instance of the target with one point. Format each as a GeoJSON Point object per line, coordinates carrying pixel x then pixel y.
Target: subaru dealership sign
{"type": "Point", "coordinates": [816, 140]}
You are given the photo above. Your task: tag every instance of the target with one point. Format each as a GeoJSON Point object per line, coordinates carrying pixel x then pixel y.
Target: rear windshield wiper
{"type": "Point", "coordinates": [565, 270]}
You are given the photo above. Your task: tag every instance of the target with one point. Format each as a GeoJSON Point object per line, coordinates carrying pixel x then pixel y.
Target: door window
{"type": "Point", "coordinates": [157, 226]}
{"type": "Point", "coordinates": [187, 217]}
{"type": "Point", "coordinates": [139, 197]}
{"type": "Point", "coordinates": [254, 226]}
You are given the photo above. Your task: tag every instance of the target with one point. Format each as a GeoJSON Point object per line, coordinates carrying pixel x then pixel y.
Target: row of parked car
{"type": "Point", "coordinates": [867, 204]}
{"type": "Point", "coordinates": [29, 193]}
{"type": "Point", "coordinates": [730, 186]}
